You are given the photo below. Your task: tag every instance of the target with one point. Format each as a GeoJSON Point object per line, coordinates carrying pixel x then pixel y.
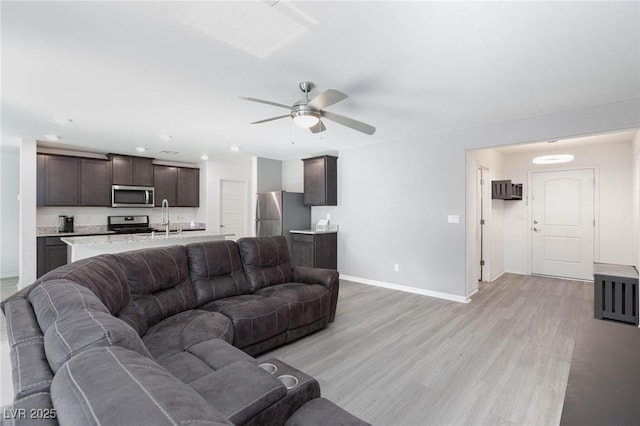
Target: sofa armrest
{"type": "Point", "coordinates": [328, 278]}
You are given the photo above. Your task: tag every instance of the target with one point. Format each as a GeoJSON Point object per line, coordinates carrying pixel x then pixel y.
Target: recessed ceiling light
{"type": "Point", "coordinates": [553, 159]}
{"type": "Point", "coordinates": [62, 121]}
{"type": "Point", "coordinates": [165, 138]}
{"type": "Point", "coordinates": [52, 137]}
{"type": "Point", "coordinates": [235, 148]}
{"type": "Point", "coordinates": [204, 157]}
{"type": "Point", "coordinates": [141, 149]}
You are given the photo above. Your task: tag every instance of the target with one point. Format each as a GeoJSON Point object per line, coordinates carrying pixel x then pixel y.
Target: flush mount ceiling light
{"type": "Point", "coordinates": [165, 138]}
{"type": "Point", "coordinates": [235, 148]}
{"type": "Point", "coordinates": [52, 137]}
{"type": "Point", "coordinates": [141, 149]}
{"type": "Point", "coordinates": [553, 159]}
{"type": "Point", "coordinates": [204, 157]}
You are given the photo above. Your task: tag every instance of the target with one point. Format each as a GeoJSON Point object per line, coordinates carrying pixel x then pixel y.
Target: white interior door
{"type": "Point", "coordinates": [232, 207]}
{"type": "Point", "coordinates": [562, 206]}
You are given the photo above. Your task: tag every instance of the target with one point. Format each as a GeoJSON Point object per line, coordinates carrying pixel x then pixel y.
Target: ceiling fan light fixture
{"type": "Point", "coordinates": [553, 159]}
{"type": "Point", "coordinates": [305, 118]}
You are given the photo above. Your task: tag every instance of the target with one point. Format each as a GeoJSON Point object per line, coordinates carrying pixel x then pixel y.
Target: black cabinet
{"type": "Point", "coordinates": [321, 181]}
{"type": "Point", "coordinates": [94, 185]}
{"type": "Point", "coordinates": [57, 180]}
{"type": "Point", "coordinates": [73, 181]}
{"type": "Point", "coordinates": [315, 250]}
{"type": "Point", "coordinates": [179, 185]}
{"type": "Point", "coordinates": [128, 170]}
{"type": "Point", "coordinates": [188, 187]}
{"type": "Point", "coordinates": [165, 182]}
{"type": "Point", "coordinates": [51, 253]}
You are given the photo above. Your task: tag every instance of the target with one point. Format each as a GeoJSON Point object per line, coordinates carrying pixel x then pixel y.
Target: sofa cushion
{"type": "Point", "coordinates": [255, 318]}
{"type": "Point", "coordinates": [57, 299]}
{"type": "Point", "coordinates": [202, 359]}
{"type": "Point", "coordinates": [181, 331]}
{"type": "Point", "coordinates": [159, 281]}
{"type": "Point", "coordinates": [266, 261]}
{"type": "Point", "coordinates": [320, 412]}
{"type": "Point", "coordinates": [22, 324]}
{"type": "Point", "coordinates": [106, 278]}
{"type": "Point", "coordinates": [29, 367]}
{"type": "Point", "coordinates": [216, 271]}
{"type": "Point", "coordinates": [307, 302]}
{"type": "Point", "coordinates": [84, 330]}
{"type": "Point", "coordinates": [240, 390]}
{"type": "Point", "coordinates": [116, 386]}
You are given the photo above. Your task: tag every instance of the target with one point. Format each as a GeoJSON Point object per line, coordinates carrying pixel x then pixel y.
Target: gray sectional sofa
{"type": "Point", "coordinates": [166, 336]}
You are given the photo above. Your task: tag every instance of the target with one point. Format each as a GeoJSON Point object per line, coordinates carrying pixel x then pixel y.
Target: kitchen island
{"type": "Point", "coordinates": [83, 247]}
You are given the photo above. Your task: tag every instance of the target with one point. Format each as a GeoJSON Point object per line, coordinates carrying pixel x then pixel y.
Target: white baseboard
{"type": "Point", "coordinates": [407, 289]}
{"type": "Point", "coordinates": [473, 292]}
{"type": "Point", "coordinates": [499, 275]}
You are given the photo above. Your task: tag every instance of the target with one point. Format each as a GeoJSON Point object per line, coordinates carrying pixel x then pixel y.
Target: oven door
{"type": "Point", "coordinates": [131, 196]}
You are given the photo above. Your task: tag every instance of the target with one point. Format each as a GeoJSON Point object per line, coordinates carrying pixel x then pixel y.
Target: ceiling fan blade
{"type": "Point", "coordinates": [318, 127]}
{"type": "Point", "coordinates": [271, 119]}
{"type": "Point", "coordinates": [262, 101]}
{"type": "Point", "coordinates": [327, 98]}
{"type": "Point", "coordinates": [349, 122]}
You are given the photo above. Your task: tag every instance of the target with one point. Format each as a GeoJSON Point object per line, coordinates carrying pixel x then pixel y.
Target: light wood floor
{"type": "Point", "coordinates": [396, 358]}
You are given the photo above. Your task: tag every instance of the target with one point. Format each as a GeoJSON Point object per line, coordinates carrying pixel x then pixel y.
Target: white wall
{"type": "Point", "coordinates": [28, 167]}
{"type": "Point", "coordinates": [293, 175]}
{"type": "Point", "coordinates": [613, 209]}
{"type": "Point", "coordinates": [394, 198]}
{"type": "Point", "coordinates": [10, 211]}
{"type": "Point", "coordinates": [636, 199]}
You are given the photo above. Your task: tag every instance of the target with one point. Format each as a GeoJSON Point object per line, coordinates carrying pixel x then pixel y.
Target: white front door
{"type": "Point", "coordinates": [232, 207]}
{"type": "Point", "coordinates": [562, 206]}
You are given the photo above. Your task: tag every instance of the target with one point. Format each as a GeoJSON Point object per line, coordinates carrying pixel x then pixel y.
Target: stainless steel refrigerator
{"type": "Point", "coordinates": [279, 212]}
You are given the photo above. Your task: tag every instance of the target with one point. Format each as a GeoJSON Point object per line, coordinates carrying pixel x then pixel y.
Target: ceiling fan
{"type": "Point", "coordinates": [307, 113]}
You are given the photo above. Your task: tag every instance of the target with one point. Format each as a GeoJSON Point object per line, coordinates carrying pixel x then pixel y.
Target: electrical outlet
{"type": "Point", "coordinates": [396, 267]}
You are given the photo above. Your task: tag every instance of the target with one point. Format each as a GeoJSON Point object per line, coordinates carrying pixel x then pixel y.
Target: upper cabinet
{"type": "Point", "coordinates": [73, 181]}
{"type": "Point", "coordinates": [320, 181]}
{"type": "Point", "coordinates": [180, 186]}
{"type": "Point", "coordinates": [127, 170]}
{"type": "Point", "coordinates": [505, 190]}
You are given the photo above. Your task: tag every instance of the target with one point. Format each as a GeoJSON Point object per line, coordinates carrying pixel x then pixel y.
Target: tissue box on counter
{"type": "Point", "coordinates": [324, 226]}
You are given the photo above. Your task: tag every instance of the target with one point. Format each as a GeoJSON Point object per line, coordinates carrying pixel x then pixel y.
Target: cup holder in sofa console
{"type": "Point", "coordinates": [268, 367]}
{"type": "Point", "coordinates": [289, 381]}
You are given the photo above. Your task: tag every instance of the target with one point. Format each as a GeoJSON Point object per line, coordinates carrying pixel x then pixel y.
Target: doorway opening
{"type": "Point", "coordinates": [233, 207]}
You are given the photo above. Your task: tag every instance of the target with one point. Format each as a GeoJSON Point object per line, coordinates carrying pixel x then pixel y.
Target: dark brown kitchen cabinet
{"type": "Point", "coordinates": [95, 182]}
{"type": "Point", "coordinates": [57, 180]}
{"type": "Point", "coordinates": [315, 250]}
{"type": "Point", "coordinates": [179, 185]}
{"type": "Point", "coordinates": [128, 170]}
{"type": "Point", "coordinates": [52, 252]}
{"type": "Point", "coordinates": [165, 182]}
{"type": "Point", "coordinates": [188, 187]}
{"type": "Point", "coordinates": [321, 181]}
{"type": "Point", "coordinates": [73, 181]}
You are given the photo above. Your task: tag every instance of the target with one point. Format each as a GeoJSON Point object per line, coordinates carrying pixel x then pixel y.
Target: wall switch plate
{"type": "Point", "coordinates": [396, 267]}
{"type": "Point", "coordinates": [453, 218]}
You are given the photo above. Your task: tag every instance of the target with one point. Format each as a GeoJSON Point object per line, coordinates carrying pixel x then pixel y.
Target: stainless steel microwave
{"type": "Point", "coordinates": [131, 196]}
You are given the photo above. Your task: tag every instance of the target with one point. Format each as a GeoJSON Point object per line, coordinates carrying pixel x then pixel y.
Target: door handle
{"type": "Point", "coordinates": [535, 222]}
{"type": "Point", "coordinates": [537, 229]}
{"type": "Point", "coordinates": [221, 226]}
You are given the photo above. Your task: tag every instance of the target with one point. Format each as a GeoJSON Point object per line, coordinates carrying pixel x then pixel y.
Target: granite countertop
{"type": "Point", "coordinates": [311, 231]}
{"type": "Point", "coordinates": [90, 230]}
{"type": "Point", "coordinates": [136, 238]}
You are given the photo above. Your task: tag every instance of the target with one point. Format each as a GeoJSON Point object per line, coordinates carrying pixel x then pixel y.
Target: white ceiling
{"type": "Point", "coordinates": [564, 144]}
{"type": "Point", "coordinates": [127, 72]}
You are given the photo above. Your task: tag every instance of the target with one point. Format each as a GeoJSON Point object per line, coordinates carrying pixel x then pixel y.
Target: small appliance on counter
{"type": "Point", "coordinates": [323, 225]}
{"type": "Point", "coordinates": [65, 223]}
{"type": "Point", "coordinates": [129, 224]}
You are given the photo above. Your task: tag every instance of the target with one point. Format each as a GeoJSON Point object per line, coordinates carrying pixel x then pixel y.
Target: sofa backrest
{"type": "Point", "coordinates": [216, 271]}
{"type": "Point", "coordinates": [106, 278]}
{"type": "Point", "coordinates": [266, 261]}
{"type": "Point", "coordinates": [159, 281]}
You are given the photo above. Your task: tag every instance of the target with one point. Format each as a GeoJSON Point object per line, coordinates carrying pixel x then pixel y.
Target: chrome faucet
{"type": "Point", "coordinates": [165, 216]}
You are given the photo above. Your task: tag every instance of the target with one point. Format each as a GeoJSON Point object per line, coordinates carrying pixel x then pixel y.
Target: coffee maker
{"type": "Point", "coordinates": [65, 223]}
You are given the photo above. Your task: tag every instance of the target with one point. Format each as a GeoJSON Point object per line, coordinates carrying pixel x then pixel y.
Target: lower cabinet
{"type": "Point", "coordinates": [51, 253]}
{"type": "Point", "coordinates": [315, 250]}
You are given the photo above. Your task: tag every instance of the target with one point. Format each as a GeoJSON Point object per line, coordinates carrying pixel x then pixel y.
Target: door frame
{"type": "Point", "coordinates": [245, 186]}
{"type": "Point", "coordinates": [484, 212]}
{"type": "Point", "coordinates": [596, 209]}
